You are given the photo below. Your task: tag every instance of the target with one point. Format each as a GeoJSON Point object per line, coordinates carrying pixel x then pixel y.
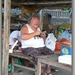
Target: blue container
{"type": "Point", "coordinates": [65, 50]}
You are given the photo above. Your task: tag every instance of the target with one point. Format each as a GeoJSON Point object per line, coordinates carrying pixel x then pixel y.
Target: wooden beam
{"type": "Point", "coordinates": [13, 3]}
{"type": "Point", "coordinates": [5, 57]}
{"type": "Point", "coordinates": [39, 3]}
{"type": "Point", "coordinates": [46, 3]}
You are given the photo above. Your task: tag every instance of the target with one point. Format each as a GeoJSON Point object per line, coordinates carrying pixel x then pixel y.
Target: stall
{"type": "Point", "coordinates": [20, 3]}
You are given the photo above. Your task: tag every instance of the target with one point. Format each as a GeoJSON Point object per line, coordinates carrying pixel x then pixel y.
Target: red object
{"type": "Point", "coordinates": [57, 46]}
{"type": "Point", "coordinates": [64, 40]}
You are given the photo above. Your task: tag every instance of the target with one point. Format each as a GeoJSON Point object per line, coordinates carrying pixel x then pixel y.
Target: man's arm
{"type": "Point", "coordinates": [25, 35]}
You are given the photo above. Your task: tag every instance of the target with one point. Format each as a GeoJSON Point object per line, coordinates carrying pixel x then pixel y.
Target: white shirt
{"type": "Point", "coordinates": [14, 34]}
{"type": "Point", "coordinates": [34, 42]}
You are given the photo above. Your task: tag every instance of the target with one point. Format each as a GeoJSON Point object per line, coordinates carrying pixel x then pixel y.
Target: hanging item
{"type": "Point", "coordinates": [50, 41]}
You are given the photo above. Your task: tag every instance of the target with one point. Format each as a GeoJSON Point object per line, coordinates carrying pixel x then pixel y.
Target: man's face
{"type": "Point", "coordinates": [35, 22]}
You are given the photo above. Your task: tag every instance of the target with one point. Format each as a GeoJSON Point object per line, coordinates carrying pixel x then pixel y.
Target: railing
{"type": "Point", "coordinates": [58, 13]}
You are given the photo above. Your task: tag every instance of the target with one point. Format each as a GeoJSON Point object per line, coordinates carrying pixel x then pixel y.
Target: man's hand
{"type": "Point", "coordinates": [37, 32]}
{"type": "Point", "coordinates": [43, 35]}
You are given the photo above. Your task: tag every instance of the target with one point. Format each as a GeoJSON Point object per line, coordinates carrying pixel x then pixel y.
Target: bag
{"type": "Point", "coordinates": [65, 34]}
{"type": "Point", "coordinates": [50, 41]}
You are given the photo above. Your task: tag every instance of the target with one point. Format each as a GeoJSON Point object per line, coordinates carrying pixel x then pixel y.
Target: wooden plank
{"type": "Point", "coordinates": [39, 67]}
{"type": "Point", "coordinates": [6, 37]}
{"type": "Point", "coordinates": [56, 64]}
{"type": "Point", "coordinates": [12, 65]}
{"type": "Point", "coordinates": [53, 26]}
{"type": "Point", "coordinates": [32, 69]}
{"type": "Point", "coordinates": [53, 60]}
{"type": "Point", "coordinates": [20, 55]}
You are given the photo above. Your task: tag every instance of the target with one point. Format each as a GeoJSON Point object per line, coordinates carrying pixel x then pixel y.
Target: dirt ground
{"type": "Point", "coordinates": [21, 71]}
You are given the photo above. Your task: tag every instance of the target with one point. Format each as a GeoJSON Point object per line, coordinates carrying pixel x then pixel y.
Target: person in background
{"type": "Point", "coordinates": [15, 35]}
{"type": "Point", "coordinates": [32, 40]}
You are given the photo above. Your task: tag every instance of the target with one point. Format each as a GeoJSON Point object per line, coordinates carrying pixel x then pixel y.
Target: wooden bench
{"type": "Point", "coordinates": [22, 56]}
{"type": "Point", "coordinates": [53, 61]}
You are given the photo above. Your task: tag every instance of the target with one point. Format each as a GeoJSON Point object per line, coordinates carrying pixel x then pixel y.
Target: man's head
{"type": "Point", "coordinates": [35, 22]}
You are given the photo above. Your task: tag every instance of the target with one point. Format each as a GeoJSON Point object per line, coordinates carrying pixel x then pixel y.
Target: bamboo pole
{"type": "Point", "coordinates": [5, 57]}
{"type": "Point", "coordinates": [41, 19]}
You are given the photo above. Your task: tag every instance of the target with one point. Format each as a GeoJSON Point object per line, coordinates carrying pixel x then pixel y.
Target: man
{"type": "Point", "coordinates": [33, 41]}
{"type": "Point", "coordinates": [15, 35]}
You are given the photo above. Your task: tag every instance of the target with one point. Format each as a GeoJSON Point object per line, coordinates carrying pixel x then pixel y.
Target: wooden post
{"type": "Point", "coordinates": [0, 40]}
{"type": "Point", "coordinates": [41, 19]}
{"type": "Point", "coordinates": [5, 55]}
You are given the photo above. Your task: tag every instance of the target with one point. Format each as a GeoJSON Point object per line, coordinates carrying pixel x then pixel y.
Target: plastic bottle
{"type": "Point", "coordinates": [10, 67]}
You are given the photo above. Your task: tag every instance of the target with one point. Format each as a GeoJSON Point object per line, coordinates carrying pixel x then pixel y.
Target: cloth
{"type": "Point", "coordinates": [34, 52]}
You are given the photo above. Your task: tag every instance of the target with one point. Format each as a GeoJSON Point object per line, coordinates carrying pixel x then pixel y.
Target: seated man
{"type": "Point", "coordinates": [32, 40]}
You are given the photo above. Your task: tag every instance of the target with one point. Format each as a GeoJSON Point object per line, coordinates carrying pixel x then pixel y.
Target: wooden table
{"type": "Point", "coordinates": [51, 60]}
{"type": "Point", "coordinates": [22, 56]}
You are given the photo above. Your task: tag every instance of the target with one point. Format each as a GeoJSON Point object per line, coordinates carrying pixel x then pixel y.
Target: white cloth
{"type": "Point", "coordinates": [14, 34]}
{"type": "Point", "coordinates": [34, 42]}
